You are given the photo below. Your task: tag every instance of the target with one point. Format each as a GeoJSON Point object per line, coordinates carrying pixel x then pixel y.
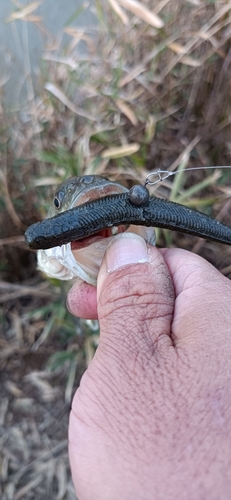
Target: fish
{"type": "Point", "coordinates": [82, 259]}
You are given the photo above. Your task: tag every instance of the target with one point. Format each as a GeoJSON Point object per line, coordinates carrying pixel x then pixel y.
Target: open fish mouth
{"type": "Point", "coordinates": [83, 258]}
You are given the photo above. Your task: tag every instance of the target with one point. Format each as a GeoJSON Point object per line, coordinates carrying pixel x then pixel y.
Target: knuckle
{"type": "Point", "coordinates": [143, 293]}
{"type": "Point", "coordinates": [135, 309]}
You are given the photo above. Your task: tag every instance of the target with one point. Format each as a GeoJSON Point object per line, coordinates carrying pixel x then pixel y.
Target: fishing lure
{"type": "Point", "coordinates": [80, 224]}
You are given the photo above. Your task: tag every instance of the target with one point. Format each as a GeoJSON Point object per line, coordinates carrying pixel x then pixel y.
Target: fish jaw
{"type": "Point", "coordinates": [66, 264]}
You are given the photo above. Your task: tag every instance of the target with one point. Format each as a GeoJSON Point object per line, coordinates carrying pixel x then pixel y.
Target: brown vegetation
{"type": "Point", "coordinates": [149, 89]}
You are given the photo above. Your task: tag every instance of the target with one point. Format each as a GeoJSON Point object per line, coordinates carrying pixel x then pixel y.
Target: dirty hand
{"type": "Point", "coordinates": [151, 418]}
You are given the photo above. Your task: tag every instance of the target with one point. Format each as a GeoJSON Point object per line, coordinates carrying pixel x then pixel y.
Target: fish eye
{"type": "Point", "coordinates": [58, 198]}
{"type": "Point", "coordinates": [57, 202]}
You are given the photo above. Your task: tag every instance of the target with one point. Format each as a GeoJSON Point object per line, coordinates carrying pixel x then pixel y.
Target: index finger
{"type": "Point", "coordinates": [203, 296]}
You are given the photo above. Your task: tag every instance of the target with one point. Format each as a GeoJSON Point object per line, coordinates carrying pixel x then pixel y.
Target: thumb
{"type": "Point", "coordinates": [135, 307]}
{"type": "Point", "coordinates": [135, 295]}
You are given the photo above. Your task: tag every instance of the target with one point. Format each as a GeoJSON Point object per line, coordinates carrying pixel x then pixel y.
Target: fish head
{"type": "Point", "coordinates": [83, 258]}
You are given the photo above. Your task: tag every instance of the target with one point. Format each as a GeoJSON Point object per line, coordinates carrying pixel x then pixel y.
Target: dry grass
{"type": "Point", "coordinates": [150, 90]}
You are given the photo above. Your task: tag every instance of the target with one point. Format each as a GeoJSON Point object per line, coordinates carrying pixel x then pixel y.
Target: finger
{"type": "Point", "coordinates": [187, 269]}
{"type": "Point", "coordinates": [135, 308]}
{"type": "Point", "coordinates": [135, 294]}
{"type": "Point", "coordinates": [203, 297]}
{"type": "Point", "coordinates": [81, 300]}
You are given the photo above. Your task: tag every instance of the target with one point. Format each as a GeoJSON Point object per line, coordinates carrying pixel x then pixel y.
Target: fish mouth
{"type": "Point", "coordinates": [90, 194]}
{"type": "Point", "coordinates": [93, 247]}
{"type": "Point", "coordinates": [82, 259]}
{"type": "Point", "coordinates": [104, 233]}
{"type": "Point", "coordinates": [100, 189]}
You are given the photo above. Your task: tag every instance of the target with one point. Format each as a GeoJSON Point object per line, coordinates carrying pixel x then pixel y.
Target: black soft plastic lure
{"type": "Point", "coordinates": [133, 207]}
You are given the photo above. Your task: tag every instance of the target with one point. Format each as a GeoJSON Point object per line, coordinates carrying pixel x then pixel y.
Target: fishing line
{"type": "Point", "coordinates": [164, 174]}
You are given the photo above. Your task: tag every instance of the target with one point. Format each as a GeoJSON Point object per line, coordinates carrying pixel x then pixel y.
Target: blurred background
{"type": "Point", "coordinates": [110, 87]}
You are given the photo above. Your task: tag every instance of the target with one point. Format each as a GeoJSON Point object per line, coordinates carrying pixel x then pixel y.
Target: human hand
{"type": "Point", "coordinates": [151, 419]}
